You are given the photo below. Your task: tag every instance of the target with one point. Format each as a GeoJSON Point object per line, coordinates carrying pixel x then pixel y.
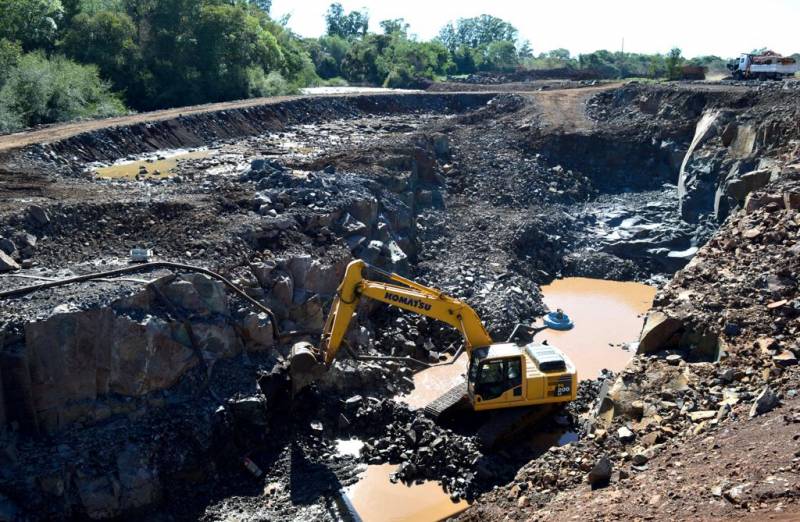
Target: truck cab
{"type": "Point", "coordinates": [506, 375]}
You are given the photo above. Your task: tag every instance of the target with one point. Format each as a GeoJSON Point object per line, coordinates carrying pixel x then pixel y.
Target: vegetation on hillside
{"type": "Point", "coordinates": [66, 59]}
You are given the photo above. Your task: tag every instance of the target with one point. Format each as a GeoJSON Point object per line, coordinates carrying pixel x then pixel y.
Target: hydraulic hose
{"type": "Point", "coordinates": [18, 292]}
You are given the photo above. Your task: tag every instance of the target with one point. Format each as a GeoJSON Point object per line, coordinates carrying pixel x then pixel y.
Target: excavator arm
{"type": "Point", "coordinates": [402, 293]}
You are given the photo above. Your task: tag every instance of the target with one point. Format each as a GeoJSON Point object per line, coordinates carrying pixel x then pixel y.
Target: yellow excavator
{"type": "Point", "coordinates": [500, 374]}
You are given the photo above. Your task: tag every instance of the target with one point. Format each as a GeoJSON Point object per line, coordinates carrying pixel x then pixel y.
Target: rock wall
{"type": "Point", "coordinates": [727, 159]}
{"type": "Point", "coordinates": [80, 366]}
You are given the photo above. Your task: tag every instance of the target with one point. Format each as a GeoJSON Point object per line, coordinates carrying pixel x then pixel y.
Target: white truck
{"type": "Point", "coordinates": [766, 66]}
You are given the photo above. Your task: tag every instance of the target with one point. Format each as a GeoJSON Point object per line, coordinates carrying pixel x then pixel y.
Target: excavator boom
{"type": "Point", "coordinates": [405, 294]}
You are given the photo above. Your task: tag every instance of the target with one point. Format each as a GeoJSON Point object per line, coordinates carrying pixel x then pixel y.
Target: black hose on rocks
{"type": "Point", "coordinates": [17, 292]}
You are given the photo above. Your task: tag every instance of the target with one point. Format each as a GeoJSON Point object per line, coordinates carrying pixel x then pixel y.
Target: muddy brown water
{"type": "Point", "coordinates": [155, 168]}
{"type": "Point", "coordinates": [376, 499]}
{"type": "Point", "coordinates": [606, 314]}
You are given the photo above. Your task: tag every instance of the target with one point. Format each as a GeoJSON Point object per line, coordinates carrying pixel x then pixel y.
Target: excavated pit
{"type": "Point", "coordinates": [139, 394]}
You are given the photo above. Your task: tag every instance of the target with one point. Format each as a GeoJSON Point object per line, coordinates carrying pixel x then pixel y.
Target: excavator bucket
{"type": "Point", "coordinates": [304, 366]}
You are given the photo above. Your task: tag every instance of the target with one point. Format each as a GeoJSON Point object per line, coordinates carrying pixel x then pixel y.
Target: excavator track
{"type": "Point", "coordinates": [510, 424]}
{"type": "Point", "coordinates": [446, 401]}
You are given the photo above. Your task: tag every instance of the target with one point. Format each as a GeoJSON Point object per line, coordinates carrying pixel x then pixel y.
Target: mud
{"type": "Point", "coordinates": [162, 165]}
{"type": "Point", "coordinates": [485, 196]}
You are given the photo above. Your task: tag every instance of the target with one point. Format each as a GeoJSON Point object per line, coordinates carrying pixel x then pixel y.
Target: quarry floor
{"type": "Point", "coordinates": [530, 171]}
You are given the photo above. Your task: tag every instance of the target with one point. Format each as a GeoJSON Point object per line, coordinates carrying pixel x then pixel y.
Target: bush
{"type": "Point", "coordinates": [399, 77]}
{"type": "Point", "coordinates": [9, 121]}
{"type": "Point", "coordinates": [48, 90]}
{"type": "Point", "coordinates": [272, 84]}
{"type": "Point", "coordinates": [334, 82]}
{"type": "Point", "coordinates": [10, 53]}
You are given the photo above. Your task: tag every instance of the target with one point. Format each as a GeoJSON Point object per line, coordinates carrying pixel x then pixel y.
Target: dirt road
{"type": "Point", "coordinates": [65, 130]}
{"type": "Point", "coordinates": [558, 105]}
{"type": "Point", "coordinates": [563, 110]}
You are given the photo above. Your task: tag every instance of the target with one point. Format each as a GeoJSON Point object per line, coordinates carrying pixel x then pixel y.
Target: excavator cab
{"type": "Point", "coordinates": [505, 375]}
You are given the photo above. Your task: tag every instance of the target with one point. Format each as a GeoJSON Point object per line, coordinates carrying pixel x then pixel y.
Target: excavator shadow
{"type": "Point", "coordinates": [308, 481]}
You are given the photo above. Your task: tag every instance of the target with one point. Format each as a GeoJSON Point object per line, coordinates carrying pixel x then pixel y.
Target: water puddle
{"type": "Point", "coordinates": [544, 440]}
{"type": "Point", "coordinates": [375, 499]}
{"type": "Point", "coordinates": [606, 314]}
{"type": "Point", "coordinates": [431, 383]}
{"type": "Point", "coordinates": [160, 166]}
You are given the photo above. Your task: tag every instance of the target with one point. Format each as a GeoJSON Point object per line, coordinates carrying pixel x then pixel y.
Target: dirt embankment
{"type": "Point", "coordinates": [106, 140]}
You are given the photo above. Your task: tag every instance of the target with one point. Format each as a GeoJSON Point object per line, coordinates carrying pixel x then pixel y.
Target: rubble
{"type": "Point", "coordinates": [144, 390]}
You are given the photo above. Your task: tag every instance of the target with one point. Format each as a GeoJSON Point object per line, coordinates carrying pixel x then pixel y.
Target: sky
{"type": "Point", "coordinates": [699, 27]}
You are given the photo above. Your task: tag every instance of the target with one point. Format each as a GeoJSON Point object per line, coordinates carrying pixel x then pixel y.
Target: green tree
{"type": "Point", "coordinates": [92, 7]}
{"type": "Point", "coordinates": [48, 90]}
{"type": "Point", "coordinates": [107, 40]}
{"type": "Point", "coordinates": [32, 23]}
{"type": "Point", "coordinates": [674, 61]}
{"type": "Point", "coordinates": [10, 53]}
{"type": "Point", "coordinates": [264, 5]}
{"type": "Point", "coordinates": [347, 25]}
{"type": "Point", "coordinates": [327, 54]}
{"type": "Point", "coordinates": [360, 64]}
{"type": "Point", "coordinates": [477, 32]}
{"type": "Point", "coordinates": [395, 26]}
{"type": "Point", "coordinates": [525, 51]}
{"type": "Point", "coordinates": [501, 56]}
{"type": "Point", "coordinates": [229, 43]}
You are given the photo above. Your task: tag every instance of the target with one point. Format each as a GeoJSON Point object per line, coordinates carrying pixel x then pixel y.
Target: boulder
{"type": "Point", "coordinates": [144, 356]}
{"type": "Point", "coordinates": [600, 475]}
{"type": "Point", "coordinates": [263, 272]}
{"type": "Point", "coordinates": [7, 246]}
{"type": "Point", "coordinates": [791, 200]}
{"type": "Point", "coordinates": [324, 279]}
{"type": "Point", "coordinates": [298, 267]}
{"type": "Point", "coordinates": [252, 410]}
{"type": "Point", "coordinates": [785, 358]}
{"type": "Point", "coordinates": [309, 315]}
{"type": "Point", "coordinates": [352, 226]}
{"type": "Point", "coordinates": [766, 401]}
{"type": "Point", "coordinates": [625, 435]}
{"type": "Point", "coordinates": [217, 340]}
{"type": "Point", "coordinates": [38, 215]}
{"type": "Point", "coordinates": [658, 333]}
{"type": "Point", "coordinates": [211, 291]}
{"type": "Point", "coordinates": [365, 210]}
{"type": "Point", "coordinates": [138, 478]}
{"type": "Point", "coordinates": [76, 357]}
{"type": "Point", "coordinates": [282, 289]}
{"type": "Point", "coordinates": [7, 264]}
{"type": "Point", "coordinates": [257, 331]}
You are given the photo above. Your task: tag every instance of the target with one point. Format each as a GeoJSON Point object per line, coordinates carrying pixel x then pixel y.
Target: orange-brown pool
{"type": "Point", "coordinates": [376, 499]}
{"type": "Point", "coordinates": [605, 313]}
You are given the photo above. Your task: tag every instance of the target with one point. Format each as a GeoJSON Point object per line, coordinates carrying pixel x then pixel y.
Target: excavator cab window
{"type": "Point", "coordinates": [494, 377]}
